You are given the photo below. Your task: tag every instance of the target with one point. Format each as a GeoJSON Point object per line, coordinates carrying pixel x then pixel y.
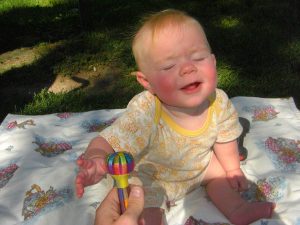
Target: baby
{"type": "Point", "coordinates": [181, 130]}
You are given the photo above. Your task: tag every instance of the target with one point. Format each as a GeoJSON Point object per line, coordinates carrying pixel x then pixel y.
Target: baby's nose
{"type": "Point", "coordinates": [188, 69]}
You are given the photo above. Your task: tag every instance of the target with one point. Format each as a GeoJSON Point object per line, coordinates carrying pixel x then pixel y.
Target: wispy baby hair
{"type": "Point", "coordinates": [153, 24]}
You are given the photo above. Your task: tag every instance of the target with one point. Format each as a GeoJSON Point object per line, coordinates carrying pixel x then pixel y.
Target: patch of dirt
{"type": "Point", "coordinates": [84, 79]}
{"type": "Point", "coordinates": [64, 84]}
{"type": "Point", "coordinates": [24, 56]}
{"type": "Point", "coordinates": [95, 79]}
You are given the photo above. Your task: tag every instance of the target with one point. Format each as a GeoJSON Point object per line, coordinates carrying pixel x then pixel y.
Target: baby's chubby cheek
{"type": "Point", "coordinates": [164, 86]}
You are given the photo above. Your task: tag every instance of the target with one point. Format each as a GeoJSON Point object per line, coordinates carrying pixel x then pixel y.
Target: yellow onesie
{"type": "Point", "coordinates": [170, 160]}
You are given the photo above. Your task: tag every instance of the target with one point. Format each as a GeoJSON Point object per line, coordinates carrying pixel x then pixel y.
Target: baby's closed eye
{"type": "Point", "coordinates": [168, 67]}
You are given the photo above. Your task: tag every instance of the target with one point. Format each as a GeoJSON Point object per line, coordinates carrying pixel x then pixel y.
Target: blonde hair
{"type": "Point", "coordinates": [155, 23]}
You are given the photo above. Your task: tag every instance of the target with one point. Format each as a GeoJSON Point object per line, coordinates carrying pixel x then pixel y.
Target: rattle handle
{"type": "Point", "coordinates": [123, 198]}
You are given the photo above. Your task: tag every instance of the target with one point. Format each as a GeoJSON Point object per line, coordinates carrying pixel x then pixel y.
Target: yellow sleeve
{"type": "Point", "coordinates": [228, 124]}
{"type": "Point", "coordinates": [134, 129]}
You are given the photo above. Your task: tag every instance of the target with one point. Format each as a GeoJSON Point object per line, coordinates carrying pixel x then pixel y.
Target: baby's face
{"type": "Point", "coordinates": [179, 66]}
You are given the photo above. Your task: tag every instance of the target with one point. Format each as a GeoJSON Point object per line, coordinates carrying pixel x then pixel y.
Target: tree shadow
{"type": "Point", "coordinates": [28, 26]}
{"type": "Point", "coordinates": [19, 85]}
{"type": "Point", "coordinates": [258, 40]}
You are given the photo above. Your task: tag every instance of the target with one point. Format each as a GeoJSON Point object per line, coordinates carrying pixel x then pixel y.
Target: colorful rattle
{"type": "Point", "coordinates": [119, 165]}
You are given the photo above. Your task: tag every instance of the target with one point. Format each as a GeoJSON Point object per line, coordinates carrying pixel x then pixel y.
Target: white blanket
{"type": "Point", "coordinates": [38, 153]}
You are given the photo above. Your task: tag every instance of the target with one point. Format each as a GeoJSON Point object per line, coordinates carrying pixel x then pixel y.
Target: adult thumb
{"type": "Point", "coordinates": [135, 203]}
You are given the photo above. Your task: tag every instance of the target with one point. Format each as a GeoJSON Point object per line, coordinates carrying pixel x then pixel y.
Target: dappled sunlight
{"type": "Point", "coordinates": [30, 22]}
{"type": "Point", "coordinates": [228, 77]}
{"type": "Point", "coordinates": [8, 5]}
{"type": "Point", "coordinates": [227, 22]}
{"type": "Point", "coordinates": [83, 47]}
{"type": "Point", "coordinates": [25, 72]}
{"type": "Point", "coordinates": [291, 50]}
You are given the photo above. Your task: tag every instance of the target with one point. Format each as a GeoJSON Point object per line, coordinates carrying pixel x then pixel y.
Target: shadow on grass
{"type": "Point", "coordinates": [28, 26]}
{"type": "Point", "coordinates": [18, 85]}
{"type": "Point", "coordinates": [256, 42]}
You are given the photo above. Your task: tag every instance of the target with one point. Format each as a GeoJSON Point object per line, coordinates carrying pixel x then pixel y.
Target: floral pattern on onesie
{"type": "Point", "coordinates": [170, 160]}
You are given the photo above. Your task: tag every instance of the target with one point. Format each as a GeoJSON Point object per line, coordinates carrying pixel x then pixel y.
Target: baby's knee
{"type": "Point", "coordinates": [214, 171]}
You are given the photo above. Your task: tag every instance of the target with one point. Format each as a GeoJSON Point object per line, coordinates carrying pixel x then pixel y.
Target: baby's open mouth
{"type": "Point", "coordinates": [191, 86]}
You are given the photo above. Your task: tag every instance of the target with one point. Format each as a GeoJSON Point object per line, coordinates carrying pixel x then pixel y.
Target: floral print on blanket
{"type": "Point", "coordinates": [51, 148]}
{"type": "Point", "coordinates": [262, 113]}
{"type": "Point", "coordinates": [271, 189]}
{"type": "Point", "coordinates": [192, 221]}
{"type": "Point", "coordinates": [97, 125]}
{"type": "Point", "coordinates": [64, 115]}
{"type": "Point", "coordinates": [14, 124]}
{"type": "Point", "coordinates": [284, 153]}
{"type": "Point", "coordinates": [7, 173]}
{"type": "Point", "coordinates": [38, 202]}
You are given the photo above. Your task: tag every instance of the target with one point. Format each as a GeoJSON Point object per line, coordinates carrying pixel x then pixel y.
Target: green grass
{"type": "Point", "coordinates": [257, 45]}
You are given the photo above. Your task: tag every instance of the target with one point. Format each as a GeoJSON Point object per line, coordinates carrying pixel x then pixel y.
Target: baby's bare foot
{"type": "Point", "coordinates": [251, 211]}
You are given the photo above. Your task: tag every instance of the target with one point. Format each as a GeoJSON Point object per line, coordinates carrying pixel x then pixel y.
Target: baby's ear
{"type": "Point", "coordinates": [142, 79]}
{"type": "Point", "coordinates": [214, 59]}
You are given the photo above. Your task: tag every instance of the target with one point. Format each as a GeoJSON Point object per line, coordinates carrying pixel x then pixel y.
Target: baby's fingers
{"type": "Point", "coordinates": [102, 167]}
{"type": "Point", "coordinates": [234, 184]}
{"type": "Point", "coordinates": [82, 178]}
{"type": "Point", "coordinates": [79, 190]}
{"type": "Point", "coordinates": [79, 185]}
{"type": "Point", "coordinates": [84, 164]}
{"type": "Point", "coordinates": [243, 184]}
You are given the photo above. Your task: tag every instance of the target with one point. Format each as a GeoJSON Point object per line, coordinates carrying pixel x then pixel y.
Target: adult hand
{"type": "Point", "coordinates": [108, 213]}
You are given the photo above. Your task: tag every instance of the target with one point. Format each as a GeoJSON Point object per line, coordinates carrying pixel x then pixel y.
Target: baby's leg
{"type": "Point", "coordinates": [152, 216]}
{"type": "Point", "coordinates": [229, 202]}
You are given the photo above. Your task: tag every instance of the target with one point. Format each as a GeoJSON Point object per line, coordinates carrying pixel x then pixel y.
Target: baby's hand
{"type": "Point", "coordinates": [91, 171]}
{"type": "Point", "coordinates": [237, 180]}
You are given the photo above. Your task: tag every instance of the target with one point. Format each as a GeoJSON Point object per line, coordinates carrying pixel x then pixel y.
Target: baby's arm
{"type": "Point", "coordinates": [92, 165]}
{"type": "Point", "coordinates": [98, 147]}
{"type": "Point", "coordinates": [228, 156]}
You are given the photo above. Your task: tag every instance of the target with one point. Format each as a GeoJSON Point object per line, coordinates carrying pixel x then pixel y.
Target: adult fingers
{"type": "Point", "coordinates": [135, 203]}
{"type": "Point", "coordinates": [109, 210]}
